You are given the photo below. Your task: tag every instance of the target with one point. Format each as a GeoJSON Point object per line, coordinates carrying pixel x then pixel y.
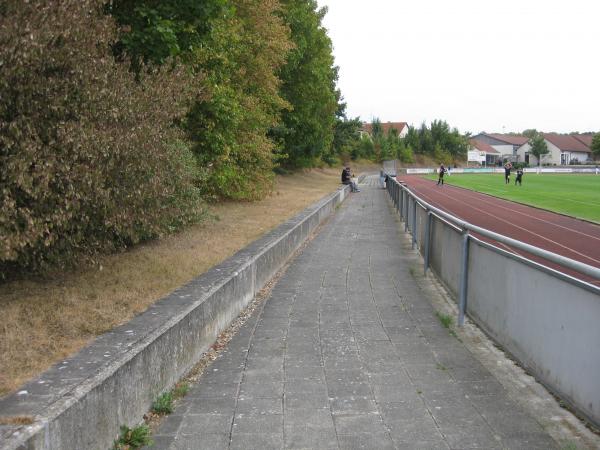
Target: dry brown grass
{"type": "Point", "coordinates": [16, 420]}
{"type": "Point", "coordinates": [44, 321]}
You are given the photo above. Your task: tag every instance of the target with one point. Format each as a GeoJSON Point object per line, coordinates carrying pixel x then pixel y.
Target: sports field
{"type": "Point", "coordinates": [574, 195]}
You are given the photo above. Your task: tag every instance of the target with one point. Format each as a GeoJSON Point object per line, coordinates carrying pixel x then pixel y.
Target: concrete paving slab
{"type": "Point", "coordinates": [348, 353]}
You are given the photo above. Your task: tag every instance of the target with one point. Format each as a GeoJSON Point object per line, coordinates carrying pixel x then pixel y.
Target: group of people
{"type": "Point", "coordinates": [507, 168]}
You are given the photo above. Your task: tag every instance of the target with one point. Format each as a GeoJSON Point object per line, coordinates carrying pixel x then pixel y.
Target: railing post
{"type": "Point", "coordinates": [464, 272]}
{"type": "Point", "coordinates": [414, 223]}
{"type": "Point", "coordinates": [427, 243]}
{"type": "Point", "coordinates": [400, 200]}
{"type": "Point", "coordinates": [407, 203]}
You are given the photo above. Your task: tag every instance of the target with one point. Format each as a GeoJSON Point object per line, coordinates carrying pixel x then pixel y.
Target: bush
{"type": "Point", "coordinates": [90, 159]}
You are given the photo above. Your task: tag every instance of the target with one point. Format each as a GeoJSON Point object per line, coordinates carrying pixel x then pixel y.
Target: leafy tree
{"type": "Point", "coordinates": [346, 133]}
{"type": "Point", "coordinates": [309, 76]}
{"type": "Point", "coordinates": [378, 139]}
{"type": "Point", "coordinates": [237, 47]}
{"type": "Point", "coordinates": [241, 58]}
{"type": "Point", "coordinates": [596, 145]}
{"type": "Point", "coordinates": [538, 147]}
{"type": "Point", "coordinates": [363, 148]}
{"type": "Point", "coordinates": [438, 141]}
{"type": "Point", "coordinates": [155, 30]}
{"type": "Point", "coordinates": [530, 133]}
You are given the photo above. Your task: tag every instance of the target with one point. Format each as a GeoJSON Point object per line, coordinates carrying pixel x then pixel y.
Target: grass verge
{"type": "Point", "coordinates": [46, 320]}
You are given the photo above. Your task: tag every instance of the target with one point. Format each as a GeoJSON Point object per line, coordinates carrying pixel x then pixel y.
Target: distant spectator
{"type": "Point", "coordinates": [441, 172]}
{"type": "Point", "coordinates": [507, 168]}
{"type": "Point", "coordinates": [519, 178]}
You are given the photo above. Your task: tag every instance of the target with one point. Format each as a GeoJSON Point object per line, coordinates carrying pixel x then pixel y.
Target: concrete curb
{"type": "Point", "coordinates": [82, 401]}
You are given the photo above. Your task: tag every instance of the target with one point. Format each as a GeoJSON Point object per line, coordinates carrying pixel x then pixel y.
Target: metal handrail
{"type": "Point", "coordinates": [563, 261]}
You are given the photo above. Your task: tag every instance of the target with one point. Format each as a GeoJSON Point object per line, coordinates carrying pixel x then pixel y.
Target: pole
{"type": "Point", "coordinates": [464, 272]}
{"type": "Point", "coordinates": [427, 243]}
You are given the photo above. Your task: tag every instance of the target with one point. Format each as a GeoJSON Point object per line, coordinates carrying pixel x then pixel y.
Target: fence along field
{"type": "Point", "coordinates": [576, 195]}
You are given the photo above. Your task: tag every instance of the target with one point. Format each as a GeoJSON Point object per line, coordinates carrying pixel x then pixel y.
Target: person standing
{"type": "Point", "coordinates": [441, 172]}
{"type": "Point", "coordinates": [507, 168]}
{"type": "Point", "coordinates": [519, 178]}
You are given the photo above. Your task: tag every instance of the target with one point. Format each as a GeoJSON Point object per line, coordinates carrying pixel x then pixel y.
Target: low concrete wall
{"type": "Point", "coordinates": [81, 402]}
{"type": "Point", "coordinates": [546, 320]}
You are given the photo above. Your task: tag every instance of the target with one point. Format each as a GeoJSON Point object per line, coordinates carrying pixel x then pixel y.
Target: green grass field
{"type": "Point", "coordinates": [576, 195]}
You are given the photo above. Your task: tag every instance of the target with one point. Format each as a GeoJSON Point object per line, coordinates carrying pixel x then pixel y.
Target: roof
{"type": "Point", "coordinates": [566, 142]}
{"type": "Point", "coordinates": [483, 147]}
{"type": "Point", "coordinates": [510, 138]}
{"type": "Point", "coordinates": [585, 138]}
{"type": "Point", "coordinates": [386, 126]}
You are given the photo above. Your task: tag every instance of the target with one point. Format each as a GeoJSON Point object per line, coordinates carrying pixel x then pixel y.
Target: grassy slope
{"type": "Point", "coordinates": [574, 195]}
{"type": "Point", "coordinates": [46, 320]}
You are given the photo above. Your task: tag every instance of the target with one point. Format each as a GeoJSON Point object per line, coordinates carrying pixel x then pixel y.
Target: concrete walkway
{"type": "Point", "coordinates": [348, 353]}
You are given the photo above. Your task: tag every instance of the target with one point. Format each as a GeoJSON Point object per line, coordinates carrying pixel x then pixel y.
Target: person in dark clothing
{"type": "Point", "coordinates": [347, 179]}
{"type": "Point", "coordinates": [519, 178]}
{"type": "Point", "coordinates": [441, 172]}
{"type": "Point", "coordinates": [507, 169]}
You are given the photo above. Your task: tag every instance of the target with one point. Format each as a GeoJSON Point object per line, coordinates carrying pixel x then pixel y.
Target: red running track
{"type": "Point", "coordinates": [567, 236]}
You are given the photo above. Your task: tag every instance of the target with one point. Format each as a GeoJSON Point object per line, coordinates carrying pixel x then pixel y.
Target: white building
{"type": "Point", "coordinates": [505, 144]}
{"type": "Point", "coordinates": [563, 149]}
{"type": "Point", "coordinates": [482, 153]}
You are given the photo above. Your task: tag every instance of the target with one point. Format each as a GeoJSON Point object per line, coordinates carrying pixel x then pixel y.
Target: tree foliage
{"type": "Point", "coordinates": [596, 145]}
{"type": "Point", "coordinates": [538, 146]}
{"type": "Point", "coordinates": [308, 77]}
{"type": "Point", "coordinates": [438, 141]}
{"type": "Point", "coordinates": [238, 46]}
{"type": "Point", "coordinates": [118, 117]}
{"type": "Point", "coordinates": [89, 158]}
{"type": "Point", "coordinates": [346, 135]}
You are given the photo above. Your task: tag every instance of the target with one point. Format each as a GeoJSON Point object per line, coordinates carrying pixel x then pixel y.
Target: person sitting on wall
{"type": "Point", "coordinates": [347, 179]}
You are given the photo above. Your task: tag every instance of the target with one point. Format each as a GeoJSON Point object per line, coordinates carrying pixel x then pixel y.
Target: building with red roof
{"type": "Point", "coordinates": [505, 144]}
{"type": "Point", "coordinates": [400, 127]}
{"type": "Point", "coordinates": [563, 149]}
{"type": "Point", "coordinates": [483, 153]}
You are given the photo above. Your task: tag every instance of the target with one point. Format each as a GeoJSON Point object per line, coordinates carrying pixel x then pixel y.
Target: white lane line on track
{"type": "Point", "coordinates": [568, 249]}
{"type": "Point", "coordinates": [572, 230]}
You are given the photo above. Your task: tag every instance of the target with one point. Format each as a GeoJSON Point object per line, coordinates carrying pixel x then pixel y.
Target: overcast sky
{"type": "Point", "coordinates": [481, 65]}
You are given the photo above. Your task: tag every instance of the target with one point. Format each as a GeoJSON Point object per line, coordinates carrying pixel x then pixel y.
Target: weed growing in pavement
{"type": "Point", "coordinates": [569, 446]}
{"type": "Point", "coordinates": [445, 319]}
{"type": "Point", "coordinates": [131, 439]}
{"type": "Point", "coordinates": [163, 404]}
{"type": "Point", "coordinates": [441, 366]}
{"type": "Point", "coordinates": [180, 390]}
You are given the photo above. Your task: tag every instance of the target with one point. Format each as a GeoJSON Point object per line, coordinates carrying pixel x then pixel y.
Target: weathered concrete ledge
{"type": "Point", "coordinates": [81, 402]}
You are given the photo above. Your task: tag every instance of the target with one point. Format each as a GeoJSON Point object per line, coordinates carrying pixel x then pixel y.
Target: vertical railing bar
{"type": "Point", "coordinates": [464, 272]}
{"type": "Point", "coordinates": [414, 223]}
{"type": "Point", "coordinates": [406, 212]}
{"type": "Point", "coordinates": [427, 243]}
